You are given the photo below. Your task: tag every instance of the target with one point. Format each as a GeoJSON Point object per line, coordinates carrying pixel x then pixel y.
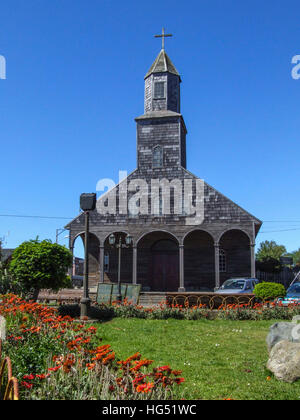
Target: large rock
{"type": "Point", "coordinates": [282, 331]}
{"type": "Point", "coordinates": [296, 319]}
{"type": "Point", "coordinates": [2, 328]}
{"type": "Point", "coordinates": [284, 361]}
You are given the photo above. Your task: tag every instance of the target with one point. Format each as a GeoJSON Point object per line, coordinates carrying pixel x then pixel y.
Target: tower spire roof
{"type": "Point", "coordinates": [162, 64]}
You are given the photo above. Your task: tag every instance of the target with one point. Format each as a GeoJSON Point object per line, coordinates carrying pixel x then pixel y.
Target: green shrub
{"type": "Point", "coordinates": [269, 290]}
{"type": "Point", "coordinates": [101, 312]}
{"type": "Point", "coordinates": [39, 265]}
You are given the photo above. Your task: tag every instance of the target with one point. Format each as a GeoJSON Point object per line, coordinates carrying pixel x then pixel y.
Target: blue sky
{"type": "Point", "coordinates": [75, 84]}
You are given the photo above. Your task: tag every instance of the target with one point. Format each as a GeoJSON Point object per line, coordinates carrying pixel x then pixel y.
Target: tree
{"type": "Point", "coordinates": [270, 249]}
{"type": "Point", "coordinates": [296, 257]}
{"type": "Point", "coordinates": [269, 265]}
{"type": "Point", "coordinates": [268, 256]}
{"type": "Point", "coordinates": [41, 265]}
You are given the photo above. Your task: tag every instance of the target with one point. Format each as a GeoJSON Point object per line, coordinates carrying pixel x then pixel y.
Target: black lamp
{"type": "Point", "coordinates": [87, 204]}
{"type": "Point", "coordinates": [118, 244]}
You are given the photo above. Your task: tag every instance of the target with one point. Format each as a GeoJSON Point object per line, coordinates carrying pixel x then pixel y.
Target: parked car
{"type": "Point", "coordinates": [292, 295]}
{"type": "Point", "coordinates": [237, 286]}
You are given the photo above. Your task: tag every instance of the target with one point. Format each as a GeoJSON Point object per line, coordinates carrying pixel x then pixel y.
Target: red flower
{"type": "Point", "coordinates": [42, 376]}
{"type": "Point", "coordinates": [164, 369]}
{"type": "Point", "coordinates": [27, 385]}
{"type": "Point", "coordinates": [29, 377]}
{"type": "Point", "coordinates": [54, 369]}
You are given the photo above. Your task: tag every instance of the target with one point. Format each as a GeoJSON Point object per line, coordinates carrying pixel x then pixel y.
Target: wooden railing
{"type": "Point", "coordinates": [209, 300]}
{"type": "Point", "coordinates": [9, 387]}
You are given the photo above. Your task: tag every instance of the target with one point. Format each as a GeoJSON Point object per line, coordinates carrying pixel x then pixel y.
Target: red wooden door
{"type": "Point", "coordinates": [165, 272]}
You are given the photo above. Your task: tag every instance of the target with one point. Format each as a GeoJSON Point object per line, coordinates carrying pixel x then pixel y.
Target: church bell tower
{"type": "Point", "coordinates": [161, 131]}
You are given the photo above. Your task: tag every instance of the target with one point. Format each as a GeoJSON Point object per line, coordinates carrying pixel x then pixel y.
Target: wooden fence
{"type": "Point", "coordinates": [284, 277]}
{"type": "Point", "coordinates": [9, 387]}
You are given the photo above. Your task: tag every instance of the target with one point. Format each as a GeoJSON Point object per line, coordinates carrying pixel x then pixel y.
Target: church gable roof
{"type": "Point", "coordinates": [217, 207]}
{"type": "Point", "coordinates": [162, 64]}
{"type": "Point", "coordinates": [220, 208]}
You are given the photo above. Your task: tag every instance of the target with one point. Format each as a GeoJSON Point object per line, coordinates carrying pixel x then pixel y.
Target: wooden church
{"type": "Point", "coordinates": [170, 251]}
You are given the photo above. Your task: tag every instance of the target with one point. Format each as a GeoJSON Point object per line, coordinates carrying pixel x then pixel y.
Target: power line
{"type": "Point", "coordinates": [36, 217]}
{"type": "Point", "coordinates": [281, 230]}
{"type": "Point", "coordinates": [70, 218]}
{"type": "Point", "coordinates": [281, 221]}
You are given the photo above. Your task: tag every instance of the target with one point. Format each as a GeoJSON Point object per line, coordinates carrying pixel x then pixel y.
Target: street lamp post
{"type": "Point", "coordinates": [59, 232]}
{"type": "Point", "coordinates": [87, 204]}
{"type": "Point", "coordinates": [119, 245]}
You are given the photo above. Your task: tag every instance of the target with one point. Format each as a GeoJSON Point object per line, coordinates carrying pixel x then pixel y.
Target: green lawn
{"type": "Point", "coordinates": [219, 359]}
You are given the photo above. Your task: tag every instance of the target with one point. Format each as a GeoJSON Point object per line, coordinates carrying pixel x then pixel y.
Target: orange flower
{"type": "Point", "coordinates": [90, 366]}
{"type": "Point", "coordinates": [176, 372]}
{"type": "Point", "coordinates": [141, 363]}
{"type": "Point", "coordinates": [145, 388]}
{"type": "Point", "coordinates": [135, 356]}
{"type": "Point", "coordinates": [179, 380]}
{"type": "Point", "coordinates": [110, 357]}
{"type": "Point", "coordinates": [99, 356]}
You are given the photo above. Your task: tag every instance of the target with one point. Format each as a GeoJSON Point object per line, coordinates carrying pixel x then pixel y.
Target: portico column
{"type": "Point", "coordinates": [134, 265]}
{"type": "Point", "coordinates": [181, 269]}
{"type": "Point", "coordinates": [71, 270]}
{"type": "Point", "coordinates": [101, 263]}
{"type": "Point", "coordinates": [217, 265]}
{"type": "Point", "coordinates": [253, 265]}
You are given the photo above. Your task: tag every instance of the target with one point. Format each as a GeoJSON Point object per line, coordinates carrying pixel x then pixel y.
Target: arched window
{"type": "Point", "coordinates": [157, 157]}
{"type": "Point", "coordinates": [222, 261]}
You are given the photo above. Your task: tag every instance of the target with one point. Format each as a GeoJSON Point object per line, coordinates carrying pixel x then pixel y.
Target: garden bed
{"type": "Point", "coordinates": [54, 357]}
{"type": "Point", "coordinates": [220, 359]}
{"type": "Point", "coordinates": [250, 312]}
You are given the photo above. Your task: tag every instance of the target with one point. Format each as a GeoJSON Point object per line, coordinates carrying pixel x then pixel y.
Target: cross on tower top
{"type": "Point", "coordinates": [163, 36]}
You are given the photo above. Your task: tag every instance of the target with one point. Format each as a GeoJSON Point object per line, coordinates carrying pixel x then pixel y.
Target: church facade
{"type": "Point", "coordinates": [186, 235]}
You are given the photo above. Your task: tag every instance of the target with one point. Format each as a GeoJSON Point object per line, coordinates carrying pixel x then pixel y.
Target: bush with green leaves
{"type": "Point", "coordinates": [7, 283]}
{"type": "Point", "coordinates": [39, 265]}
{"type": "Point", "coordinates": [269, 290]}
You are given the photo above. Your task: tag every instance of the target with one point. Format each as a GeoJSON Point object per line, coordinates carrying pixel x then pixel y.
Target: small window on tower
{"type": "Point", "coordinates": [159, 90]}
{"type": "Point", "coordinates": [157, 157]}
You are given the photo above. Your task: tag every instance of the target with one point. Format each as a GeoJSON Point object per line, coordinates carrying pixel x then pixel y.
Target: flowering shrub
{"type": "Point", "coordinates": [128, 310]}
{"type": "Point", "coordinates": [257, 311]}
{"type": "Point", "coordinates": [55, 357]}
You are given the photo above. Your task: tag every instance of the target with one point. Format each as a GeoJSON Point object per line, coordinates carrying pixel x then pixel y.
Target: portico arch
{"type": "Point", "coordinates": [109, 259]}
{"type": "Point", "coordinates": [237, 247]}
{"type": "Point", "coordinates": [199, 261]}
{"type": "Point", "coordinates": [94, 269]}
{"type": "Point", "coordinates": [158, 262]}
